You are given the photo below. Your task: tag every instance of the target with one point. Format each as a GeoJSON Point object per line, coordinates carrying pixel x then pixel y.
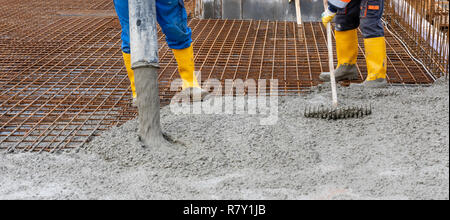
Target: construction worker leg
{"type": "Point", "coordinates": [172, 18]}
{"type": "Point", "coordinates": [123, 14]}
{"type": "Point", "coordinates": [347, 22]}
{"type": "Point", "coordinates": [374, 41]}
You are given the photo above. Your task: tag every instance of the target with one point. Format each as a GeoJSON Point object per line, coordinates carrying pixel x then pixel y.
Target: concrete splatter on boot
{"type": "Point", "coordinates": [343, 72]}
{"type": "Point", "coordinates": [186, 67]}
{"type": "Point", "coordinates": [194, 94]}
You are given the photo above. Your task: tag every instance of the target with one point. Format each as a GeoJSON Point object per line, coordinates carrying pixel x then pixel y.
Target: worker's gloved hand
{"type": "Point", "coordinates": [327, 16]}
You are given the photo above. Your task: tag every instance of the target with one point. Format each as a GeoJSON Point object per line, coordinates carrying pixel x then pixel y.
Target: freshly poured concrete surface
{"type": "Point", "coordinates": [401, 151]}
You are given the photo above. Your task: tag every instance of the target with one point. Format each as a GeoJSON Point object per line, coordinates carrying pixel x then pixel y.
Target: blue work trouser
{"type": "Point", "coordinates": [366, 14]}
{"type": "Point", "coordinates": [172, 19]}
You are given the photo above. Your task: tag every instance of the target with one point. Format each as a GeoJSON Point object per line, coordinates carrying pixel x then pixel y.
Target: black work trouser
{"type": "Point", "coordinates": [365, 14]}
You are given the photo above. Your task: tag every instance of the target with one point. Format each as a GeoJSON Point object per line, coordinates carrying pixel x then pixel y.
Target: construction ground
{"type": "Point", "coordinates": [68, 129]}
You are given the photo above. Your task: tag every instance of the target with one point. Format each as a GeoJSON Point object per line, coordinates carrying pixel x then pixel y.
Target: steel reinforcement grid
{"type": "Point", "coordinates": [424, 26]}
{"type": "Point", "coordinates": [63, 80]}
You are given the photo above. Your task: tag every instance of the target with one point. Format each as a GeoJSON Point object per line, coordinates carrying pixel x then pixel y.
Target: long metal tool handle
{"type": "Point", "coordinates": [298, 12]}
{"type": "Point", "coordinates": [331, 64]}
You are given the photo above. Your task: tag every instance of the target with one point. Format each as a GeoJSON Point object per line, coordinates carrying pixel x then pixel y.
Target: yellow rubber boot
{"type": "Point", "coordinates": [346, 47]}
{"type": "Point", "coordinates": [127, 60]}
{"type": "Point", "coordinates": [347, 53]}
{"type": "Point", "coordinates": [186, 67]}
{"type": "Point", "coordinates": [376, 58]}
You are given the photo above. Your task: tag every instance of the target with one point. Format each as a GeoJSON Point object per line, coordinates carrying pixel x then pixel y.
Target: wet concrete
{"type": "Point", "coordinates": [401, 151]}
{"type": "Point", "coordinates": [148, 104]}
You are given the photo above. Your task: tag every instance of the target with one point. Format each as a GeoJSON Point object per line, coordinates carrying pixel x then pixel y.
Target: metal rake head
{"type": "Point", "coordinates": [337, 113]}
